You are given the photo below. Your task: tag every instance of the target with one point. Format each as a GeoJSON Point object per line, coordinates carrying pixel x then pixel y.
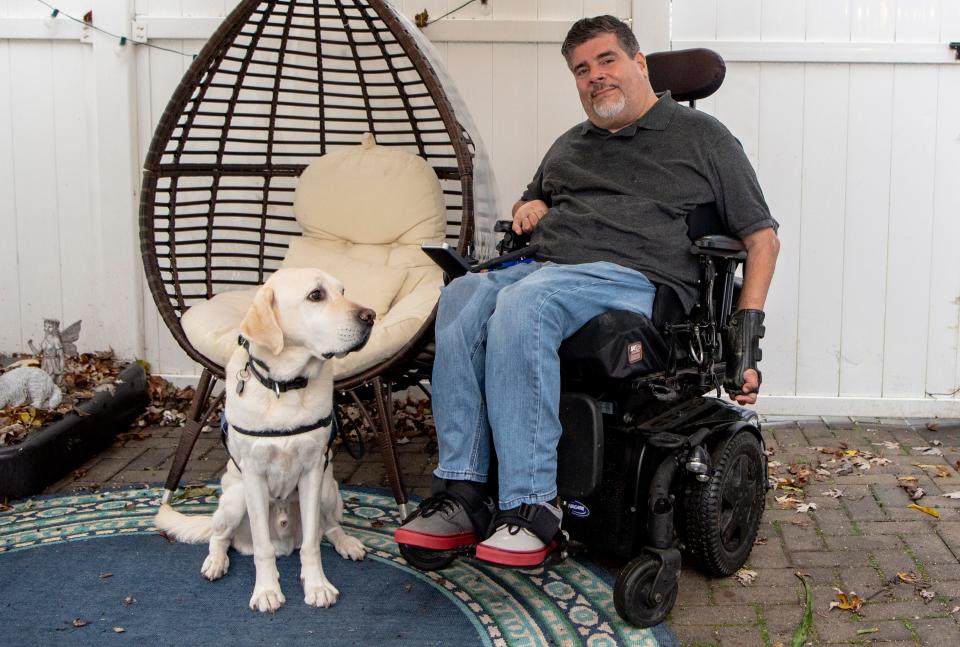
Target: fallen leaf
{"type": "Point", "coordinates": [932, 426]}
{"type": "Point", "coordinates": [954, 609]}
{"type": "Point", "coordinates": [822, 472]}
{"type": "Point", "coordinates": [923, 508]}
{"type": "Point", "coordinates": [118, 630]}
{"type": "Point", "coordinates": [80, 622]}
{"type": "Point", "coordinates": [745, 576]}
{"type": "Point", "coordinates": [863, 632]}
{"type": "Point", "coordinates": [953, 495]}
{"type": "Point", "coordinates": [927, 595]}
{"type": "Point", "coordinates": [806, 507]}
{"type": "Point", "coordinates": [908, 578]}
{"type": "Point", "coordinates": [127, 601]}
{"type": "Point", "coordinates": [104, 576]}
{"type": "Point", "coordinates": [800, 522]}
{"type": "Point", "coordinates": [847, 601]}
{"type": "Point", "coordinates": [904, 479]}
{"type": "Point", "coordinates": [760, 541]}
{"type": "Point", "coordinates": [917, 494]}
{"type": "Point", "coordinates": [888, 444]}
{"type": "Point", "coordinates": [942, 471]}
{"type": "Point", "coordinates": [929, 451]}
{"type": "Point", "coordinates": [788, 501]}
{"type": "Point", "coordinates": [421, 19]}
{"type": "Point", "coordinates": [936, 443]}
{"type": "Point", "coordinates": [835, 493]}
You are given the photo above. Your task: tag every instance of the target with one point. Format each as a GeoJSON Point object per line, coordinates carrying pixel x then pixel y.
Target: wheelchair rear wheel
{"type": "Point", "coordinates": [722, 516]}
{"type": "Point", "coordinates": [632, 593]}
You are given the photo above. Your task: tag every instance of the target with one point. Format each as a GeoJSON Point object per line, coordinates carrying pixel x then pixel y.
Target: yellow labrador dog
{"type": "Point", "coordinates": [278, 492]}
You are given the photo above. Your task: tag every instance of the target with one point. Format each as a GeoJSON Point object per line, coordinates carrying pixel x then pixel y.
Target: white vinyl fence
{"type": "Point", "coordinates": [847, 109]}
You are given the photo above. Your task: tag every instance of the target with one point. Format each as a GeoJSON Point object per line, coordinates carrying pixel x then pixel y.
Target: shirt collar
{"type": "Point", "coordinates": [656, 118]}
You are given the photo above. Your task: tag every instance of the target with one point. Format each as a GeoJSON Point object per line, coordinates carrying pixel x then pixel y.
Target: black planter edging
{"type": "Point", "coordinates": [48, 454]}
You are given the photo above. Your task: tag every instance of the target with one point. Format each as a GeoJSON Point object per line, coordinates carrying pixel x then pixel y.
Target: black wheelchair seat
{"type": "Point", "coordinates": [619, 344]}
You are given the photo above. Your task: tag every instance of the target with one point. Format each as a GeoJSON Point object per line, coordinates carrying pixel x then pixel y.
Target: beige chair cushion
{"type": "Point", "coordinates": [364, 212]}
{"type": "Point", "coordinates": [373, 285]}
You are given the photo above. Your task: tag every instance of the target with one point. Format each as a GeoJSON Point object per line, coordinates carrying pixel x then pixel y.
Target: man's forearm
{"type": "Point", "coordinates": [763, 246]}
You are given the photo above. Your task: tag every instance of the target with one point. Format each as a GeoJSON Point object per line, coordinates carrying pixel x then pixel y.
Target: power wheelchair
{"type": "Point", "coordinates": [648, 464]}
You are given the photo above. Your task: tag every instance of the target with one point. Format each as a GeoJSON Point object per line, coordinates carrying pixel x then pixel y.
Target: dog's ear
{"type": "Point", "coordinates": [260, 325]}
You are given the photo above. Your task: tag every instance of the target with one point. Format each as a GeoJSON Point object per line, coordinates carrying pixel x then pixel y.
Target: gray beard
{"type": "Point", "coordinates": [608, 110]}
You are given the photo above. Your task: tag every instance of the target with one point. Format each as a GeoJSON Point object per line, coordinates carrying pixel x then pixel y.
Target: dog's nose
{"type": "Point", "coordinates": [366, 315]}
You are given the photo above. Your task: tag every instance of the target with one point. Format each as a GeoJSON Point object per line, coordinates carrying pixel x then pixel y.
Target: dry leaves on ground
{"type": "Point", "coordinates": [847, 601]}
{"type": "Point", "coordinates": [952, 495]}
{"type": "Point", "coordinates": [925, 509]}
{"type": "Point", "coordinates": [834, 493]}
{"type": "Point", "coordinates": [940, 471]}
{"type": "Point", "coordinates": [806, 507]}
{"type": "Point", "coordinates": [745, 576]}
{"type": "Point", "coordinates": [911, 487]}
{"type": "Point", "coordinates": [928, 451]}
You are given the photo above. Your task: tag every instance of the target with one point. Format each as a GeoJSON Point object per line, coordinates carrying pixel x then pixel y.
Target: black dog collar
{"type": "Point", "coordinates": [276, 386]}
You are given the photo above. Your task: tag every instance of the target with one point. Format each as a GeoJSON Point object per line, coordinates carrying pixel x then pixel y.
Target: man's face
{"type": "Point", "coordinates": [614, 88]}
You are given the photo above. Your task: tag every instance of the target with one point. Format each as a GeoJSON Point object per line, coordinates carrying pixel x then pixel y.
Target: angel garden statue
{"type": "Point", "coordinates": [56, 347]}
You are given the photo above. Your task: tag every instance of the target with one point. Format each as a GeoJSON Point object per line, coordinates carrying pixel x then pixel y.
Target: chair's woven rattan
{"type": "Point", "coordinates": [280, 83]}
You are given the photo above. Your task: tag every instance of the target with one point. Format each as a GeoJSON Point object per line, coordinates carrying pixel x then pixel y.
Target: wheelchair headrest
{"type": "Point", "coordinates": [689, 74]}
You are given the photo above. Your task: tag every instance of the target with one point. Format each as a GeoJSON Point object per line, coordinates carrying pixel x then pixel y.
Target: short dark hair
{"type": "Point", "coordinates": [589, 28]}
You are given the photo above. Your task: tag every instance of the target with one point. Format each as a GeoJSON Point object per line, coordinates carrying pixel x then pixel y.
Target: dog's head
{"type": "Point", "coordinates": [306, 307]}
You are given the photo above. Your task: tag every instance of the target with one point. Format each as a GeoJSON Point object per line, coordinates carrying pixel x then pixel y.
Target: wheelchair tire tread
{"type": "Point", "coordinates": [701, 502]}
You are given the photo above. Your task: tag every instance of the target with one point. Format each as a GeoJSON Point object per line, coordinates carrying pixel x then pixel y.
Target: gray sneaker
{"type": "Point", "coordinates": [448, 519]}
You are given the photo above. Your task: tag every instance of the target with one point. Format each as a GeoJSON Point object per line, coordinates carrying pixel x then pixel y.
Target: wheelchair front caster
{"type": "Point", "coordinates": [634, 596]}
{"type": "Point", "coordinates": [427, 559]}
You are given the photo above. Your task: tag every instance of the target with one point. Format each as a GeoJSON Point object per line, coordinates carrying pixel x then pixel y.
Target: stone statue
{"type": "Point", "coordinates": [28, 385]}
{"type": "Point", "coordinates": [56, 347]}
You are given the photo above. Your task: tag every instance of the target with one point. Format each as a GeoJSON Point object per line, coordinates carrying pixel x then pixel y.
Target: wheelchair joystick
{"type": "Point", "coordinates": [698, 463]}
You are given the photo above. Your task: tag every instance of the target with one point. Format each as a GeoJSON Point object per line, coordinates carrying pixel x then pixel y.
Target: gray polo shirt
{"type": "Point", "coordinates": [623, 197]}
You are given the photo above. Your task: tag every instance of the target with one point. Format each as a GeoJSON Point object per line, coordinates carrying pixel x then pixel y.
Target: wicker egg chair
{"type": "Point", "coordinates": [280, 83]}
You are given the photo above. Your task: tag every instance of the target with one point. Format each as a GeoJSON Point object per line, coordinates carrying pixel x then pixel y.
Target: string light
{"type": "Point", "coordinates": [87, 21]}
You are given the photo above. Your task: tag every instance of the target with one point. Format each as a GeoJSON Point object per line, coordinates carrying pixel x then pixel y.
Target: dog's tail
{"type": "Point", "coordinates": [186, 528]}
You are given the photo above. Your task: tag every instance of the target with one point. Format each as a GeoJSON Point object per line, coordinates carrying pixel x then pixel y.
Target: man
{"type": "Point", "coordinates": [607, 207]}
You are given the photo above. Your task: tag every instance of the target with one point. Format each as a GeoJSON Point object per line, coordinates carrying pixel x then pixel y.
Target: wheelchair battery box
{"type": "Point", "coordinates": [580, 451]}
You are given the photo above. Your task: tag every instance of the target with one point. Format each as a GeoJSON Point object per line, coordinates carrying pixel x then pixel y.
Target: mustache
{"type": "Point", "coordinates": [596, 88]}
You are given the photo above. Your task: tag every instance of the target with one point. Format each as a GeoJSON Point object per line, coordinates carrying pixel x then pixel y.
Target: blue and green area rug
{"type": "Point", "coordinates": [90, 569]}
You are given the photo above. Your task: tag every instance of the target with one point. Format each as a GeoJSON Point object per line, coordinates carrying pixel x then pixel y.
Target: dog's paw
{"type": "Point", "coordinates": [267, 600]}
{"type": "Point", "coordinates": [323, 595]}
{"type": "Point", "coordinates": [350, 547]}
{"type": "Point", "coordinates": [215, 566]}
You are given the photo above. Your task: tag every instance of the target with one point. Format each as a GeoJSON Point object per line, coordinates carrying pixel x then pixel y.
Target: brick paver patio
{"type": "Point", "coordinates": [857, 542]}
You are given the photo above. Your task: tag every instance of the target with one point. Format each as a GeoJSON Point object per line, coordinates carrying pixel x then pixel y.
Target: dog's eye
{"type": "Point", "coordinates": [317, 295]}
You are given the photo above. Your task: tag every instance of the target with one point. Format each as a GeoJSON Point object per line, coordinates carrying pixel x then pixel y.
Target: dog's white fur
{"type": "Point", "coordinates": [283, 488]}
{"type": "Point", "coordinates": [30, 385]}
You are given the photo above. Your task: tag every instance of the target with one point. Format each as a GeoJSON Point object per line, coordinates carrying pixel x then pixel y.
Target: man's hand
{"type": "Point", "coordinates": [527, 215]}
{"type": "Point", "coordinates": [751, 385]}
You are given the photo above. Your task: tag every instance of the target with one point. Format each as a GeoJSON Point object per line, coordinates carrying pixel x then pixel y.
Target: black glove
{"type": "Point", "coordinates": [744, 332]}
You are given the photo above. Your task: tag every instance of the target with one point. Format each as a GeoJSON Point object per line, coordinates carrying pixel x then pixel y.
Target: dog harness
{"type": "Point", "coordinates": [329, 419]}
{"type": "Point", "coordinates": [276, 386]}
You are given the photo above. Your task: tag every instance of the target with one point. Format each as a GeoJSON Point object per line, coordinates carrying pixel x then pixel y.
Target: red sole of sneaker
{"type": "Point", "coordinates": [434, 542]}
{"type": "Point", "coordinates": [502, 557]}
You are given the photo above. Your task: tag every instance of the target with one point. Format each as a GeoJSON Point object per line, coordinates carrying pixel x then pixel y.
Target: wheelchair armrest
{"type": "Point", "coordinates": [716, 245]}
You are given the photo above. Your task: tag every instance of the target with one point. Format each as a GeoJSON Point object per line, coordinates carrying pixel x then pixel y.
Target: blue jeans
{"type": "Point", "coordinates": [496, 375]}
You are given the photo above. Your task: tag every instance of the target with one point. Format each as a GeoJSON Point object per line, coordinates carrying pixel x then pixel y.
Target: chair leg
{"type": "Point", "coordinates": [196, 417]}
{"type": "Point", "coordinates": [382, 395]}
